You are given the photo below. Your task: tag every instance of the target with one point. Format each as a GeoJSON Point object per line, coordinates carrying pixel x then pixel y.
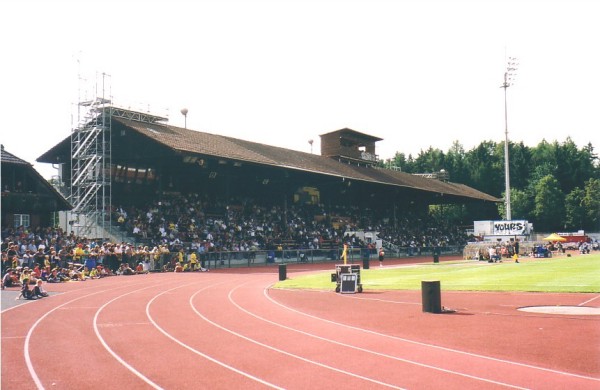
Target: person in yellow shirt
{"type": "Point", "coordinates": [345, 253]}
{"type": "Point", "coordinates": [193, 261]}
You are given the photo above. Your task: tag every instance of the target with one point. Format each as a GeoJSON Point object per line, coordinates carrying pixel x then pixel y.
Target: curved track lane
{"type": "Point", "coordinates": [227, 330]}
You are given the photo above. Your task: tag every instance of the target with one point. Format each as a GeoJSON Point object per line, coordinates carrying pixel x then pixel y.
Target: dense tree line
{"type": "Point", "coordinates": [554, 185]}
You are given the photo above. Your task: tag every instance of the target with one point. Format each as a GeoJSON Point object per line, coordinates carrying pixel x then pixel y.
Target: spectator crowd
{"type": "Point", "coordinates": [177, 233]}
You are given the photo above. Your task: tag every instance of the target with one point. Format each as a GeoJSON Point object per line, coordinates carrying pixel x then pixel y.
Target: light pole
{"type": "Point", "coordinates": [184, 112]}
{"type": "Point", "coordinates": [509, 79]}
{"type": "Point", "coordinates": [310, 141]}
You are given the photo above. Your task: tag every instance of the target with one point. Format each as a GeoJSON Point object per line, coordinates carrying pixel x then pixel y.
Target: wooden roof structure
{"type": "Point", "coordinates": [187, 142]}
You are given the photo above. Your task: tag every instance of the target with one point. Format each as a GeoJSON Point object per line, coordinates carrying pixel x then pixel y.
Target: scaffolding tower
{"type": "Point", "coordinates": [91, 194]}
{"type": "Point", "coordinates": [91, 162]}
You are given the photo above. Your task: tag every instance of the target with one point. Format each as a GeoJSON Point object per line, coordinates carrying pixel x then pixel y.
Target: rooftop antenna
{"type": "Point", "coordinates": [310, 141]}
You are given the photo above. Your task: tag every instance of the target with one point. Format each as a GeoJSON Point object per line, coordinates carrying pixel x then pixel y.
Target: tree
{"type": "Point", "coordinates": [429, 161]}
{"type": "Point", "coordinates": [456, 166]}
{"type": "Point", "coordinates": [549, 208]}
{"type": "Point", "coordinates": [520, 165]}
{"type": "Point", "coordinates": [486, 170]}
{"type": "Point", "coordinates": [575, 215]}
{"type": "Point", "coordinates": [591, 203]}
{"type": "Point", "coordinates": [521, 204]}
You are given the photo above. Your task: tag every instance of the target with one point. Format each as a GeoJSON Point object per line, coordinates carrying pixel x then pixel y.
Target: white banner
{"type": "Point", "coordinates": [509, 228]}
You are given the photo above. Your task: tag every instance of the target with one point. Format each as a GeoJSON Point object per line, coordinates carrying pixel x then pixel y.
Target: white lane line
{"type": "Point", "coordinates": [371, 351]}
{"type": "Point", "coordinates": [282, 351]}
{"type": "Point", "coordinates": [265, 292]}
{"type": "Point", "coordinates": [109, 349]}
{"type": "Point", "coordinates": [28, 363]}
{"type": "Point", "coordinates": [222, 364]}
{"type": "Point", "coordinates": [589, 300]}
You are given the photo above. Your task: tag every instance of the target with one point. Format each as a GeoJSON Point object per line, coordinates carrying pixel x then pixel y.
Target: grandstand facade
{"type": "Point", "coordinates": [149, 157]}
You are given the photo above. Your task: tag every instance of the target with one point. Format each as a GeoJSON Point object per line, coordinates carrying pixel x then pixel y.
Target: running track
{"type": "Point", "coordinates": [228, 329]}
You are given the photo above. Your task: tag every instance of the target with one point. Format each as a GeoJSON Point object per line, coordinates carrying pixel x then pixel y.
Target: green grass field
{"type": "Point", "coordinates": [580, 273]}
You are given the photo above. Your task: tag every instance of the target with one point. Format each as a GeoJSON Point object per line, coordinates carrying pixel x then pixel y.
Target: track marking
{"type": "Point", "coordinates": [265, 292]}
{"type": "Point", "coordinates": [113, 353]}
{"type": "Point", "coordinates": [222, 364]}
{"type": "Point", "coordinates": [368, 350]}
{"type": "Point", "coordinates": [589, 300]}
{"type": "Point", "coordinates": [282, 351]}
{"type": "Point", "coordinates": [28, 363]}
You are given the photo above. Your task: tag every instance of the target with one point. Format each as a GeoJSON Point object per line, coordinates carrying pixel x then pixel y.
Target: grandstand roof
{"type": "Point", "coordinates": [9, 158]}
{"type": "Point", "coordinates": [193, 142]}
{"type": "Point", "coordinates": [36, 195]}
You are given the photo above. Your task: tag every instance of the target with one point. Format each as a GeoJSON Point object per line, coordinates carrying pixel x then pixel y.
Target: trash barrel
{"type": "Point", "coordinates": [436, 258]}
{"type": "Point", "coordinates": [366, 257]}
{"type": "Point", "coordinates": [431, 296]}
{"type": "Point", "coordinates": [282, 271]}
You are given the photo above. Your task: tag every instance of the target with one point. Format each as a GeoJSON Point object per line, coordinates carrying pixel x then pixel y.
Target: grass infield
{"type": "Point", "coordinates": [579, 273]}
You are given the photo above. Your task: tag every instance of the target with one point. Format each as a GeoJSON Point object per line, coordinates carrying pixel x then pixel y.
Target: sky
{"type": "Point", "coordinates": [418, 74]}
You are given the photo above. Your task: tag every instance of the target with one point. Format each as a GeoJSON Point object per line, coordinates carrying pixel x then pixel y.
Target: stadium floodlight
{"type": "Point", "coordinates": [184, 112]}
{"type": "Point", "coordinates": [509, 79]}
{"type": "Point", "coordinates": [310, 141]}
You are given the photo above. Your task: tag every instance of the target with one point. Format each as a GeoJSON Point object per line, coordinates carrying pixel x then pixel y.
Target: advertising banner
{"type": "Point", "coordinates": [509, 228]}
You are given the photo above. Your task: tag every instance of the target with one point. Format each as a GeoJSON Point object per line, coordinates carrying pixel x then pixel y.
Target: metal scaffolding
{"type": "Point", "coordinates": [91, 194]}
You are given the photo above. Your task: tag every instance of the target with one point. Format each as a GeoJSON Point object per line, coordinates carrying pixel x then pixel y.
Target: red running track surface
{"type": "Point", "coordinates": [228, 329]}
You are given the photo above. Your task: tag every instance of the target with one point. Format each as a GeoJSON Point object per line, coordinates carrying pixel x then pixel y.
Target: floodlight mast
{"type": "Point", "coordinates": [509, 79]}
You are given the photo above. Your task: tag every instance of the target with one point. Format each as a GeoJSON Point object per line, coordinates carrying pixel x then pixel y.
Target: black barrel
{"type": "Point", "coordinates": [282, 271]}
{"type": "Point", "coordinates": [436, 254]}
{"type": "Point", "coordinates": [431, 295]}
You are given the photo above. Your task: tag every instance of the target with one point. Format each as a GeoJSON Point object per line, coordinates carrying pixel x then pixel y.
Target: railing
{"type": "Point", "coordinates": [228, 259]}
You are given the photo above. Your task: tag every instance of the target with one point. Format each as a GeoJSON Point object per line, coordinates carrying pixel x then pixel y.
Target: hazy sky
{"type": "Point", "coordinates": [415, 73]}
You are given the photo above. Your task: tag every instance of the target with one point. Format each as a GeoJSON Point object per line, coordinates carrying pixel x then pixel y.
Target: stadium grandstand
{"type": "Point", "coordinates": [122, 169]}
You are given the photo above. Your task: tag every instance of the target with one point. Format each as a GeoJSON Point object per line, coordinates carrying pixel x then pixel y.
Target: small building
{"type": "Point", "coordinates": [27, 198]}
{"type": "Point", "coordinates": [348, 145]}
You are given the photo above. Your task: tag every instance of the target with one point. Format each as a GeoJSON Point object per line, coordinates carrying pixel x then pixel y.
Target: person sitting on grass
{"type": "Point", "coordinates": [26, 292]}
{"type": "Point", "coordinates": [39, 291]}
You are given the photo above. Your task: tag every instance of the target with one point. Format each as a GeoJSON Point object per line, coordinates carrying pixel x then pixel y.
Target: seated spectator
{"type": "Point", "coordinates": [44, 274]}
{"type": "Point", "coordinates": [93, 274]}
{"type": "Point", "coordinates": [139, 268]}
{"type": "Point", "coordinates": [178, 267]}
{"type": "Point", "coordinates": [10, 279]}
{"type": "Point", "coordinates": [26, 292]}
{"type": "Point", "coordinates": [26, 274]}
{"type": "Point", "coordinates": [75, 274]}
{"type": "Point", "coordinates": [63, 275]}
{"type": "Point", "coordinates": [125, 269]}
{"type": "Point", "coordinates": [53, 277]}
{"type": "Point", "coordinates": [39, 291]}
